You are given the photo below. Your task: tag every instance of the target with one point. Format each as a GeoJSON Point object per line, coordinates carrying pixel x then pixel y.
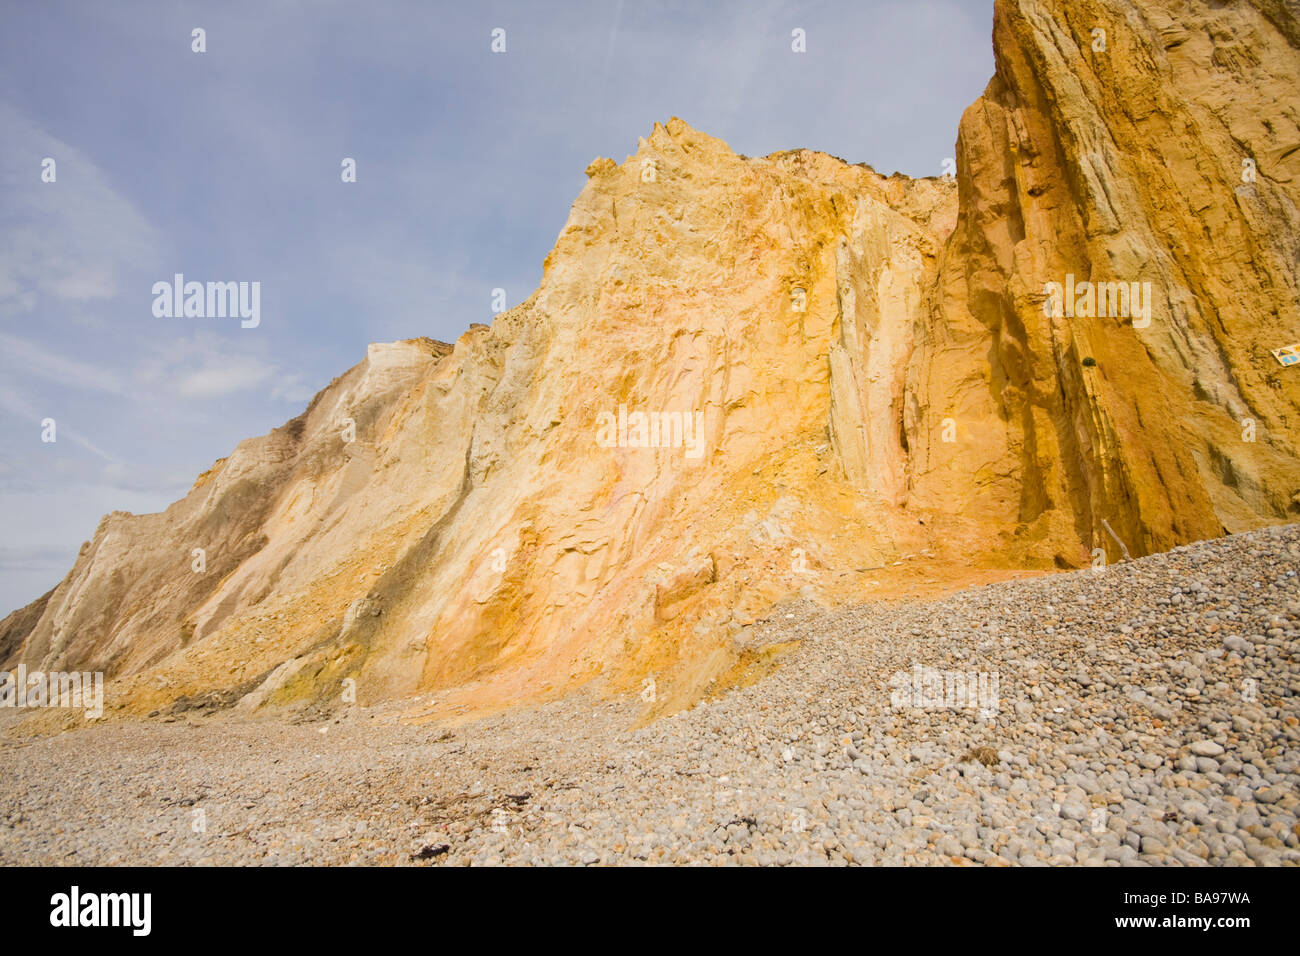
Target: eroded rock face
{"type": "Point", "coordinates": [743, 379]}
{"type": "Point", "coordinates": [1119, 156]}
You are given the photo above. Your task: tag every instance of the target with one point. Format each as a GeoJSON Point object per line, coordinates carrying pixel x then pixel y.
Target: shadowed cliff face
{"type": "Point", "coordinates": [1111, 147]}
{"type": "Point", "coordinates": [745, 379]}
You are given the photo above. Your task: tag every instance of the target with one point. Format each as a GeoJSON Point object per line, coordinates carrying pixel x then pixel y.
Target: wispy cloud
{"type": "Point", "coordinates": [206, 365]}
{"type": "Point", "coordinates": [24, 409]}
{"type": "Point", "coordinates": [69, 242]}
{"type": "Point", "coordinates": [37, 360]}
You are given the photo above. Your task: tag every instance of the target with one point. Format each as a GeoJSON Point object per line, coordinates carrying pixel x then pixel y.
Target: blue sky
{"type": "Point", "coordinates": [225, 165]}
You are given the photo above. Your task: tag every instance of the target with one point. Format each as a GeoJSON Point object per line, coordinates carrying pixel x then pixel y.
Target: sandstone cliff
{"type": "Point", "coordinates": [861, 384]}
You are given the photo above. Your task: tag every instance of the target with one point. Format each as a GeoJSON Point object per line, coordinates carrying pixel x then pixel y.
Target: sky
{"type": "Point", "coordinates": [226, 165]}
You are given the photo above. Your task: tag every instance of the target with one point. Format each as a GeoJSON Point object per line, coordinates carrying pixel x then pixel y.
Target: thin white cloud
{"type": "Point", "coordinates": [207, 365]}
{"type": "Point", "coordinates": [71, 241]}
{"type": "Point", "coordinates": [291, 388]}
{"type": "Point", "coordinates": [35, 359]}
{"type": "Point", "coordinates": [24, 409]}
{"type": "Point", "coordinates": [219, 378]}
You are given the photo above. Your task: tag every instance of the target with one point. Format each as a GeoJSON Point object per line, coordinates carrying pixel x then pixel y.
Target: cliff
{"type": "Point", "coordinates": [746, 379]}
